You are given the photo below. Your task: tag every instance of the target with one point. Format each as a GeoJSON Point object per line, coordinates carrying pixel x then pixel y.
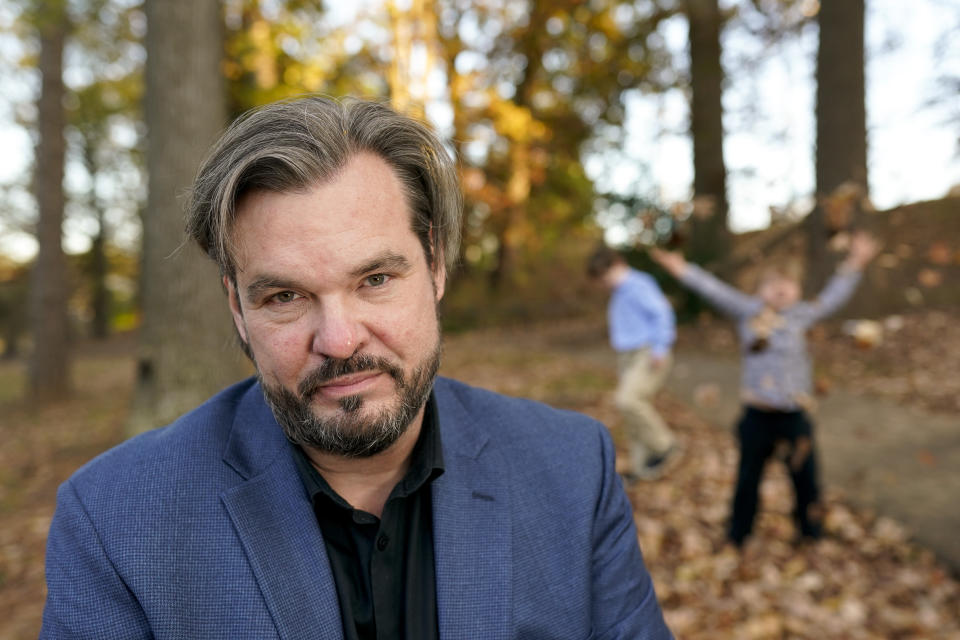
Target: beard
{"type": "Point", "coordinates": [349, 431]}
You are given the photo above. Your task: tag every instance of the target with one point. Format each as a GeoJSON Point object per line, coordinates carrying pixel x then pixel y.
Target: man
{"type": "Point", "coordinates": [642, 331]}
{"type": "Point", "coordinates": [346, 492]}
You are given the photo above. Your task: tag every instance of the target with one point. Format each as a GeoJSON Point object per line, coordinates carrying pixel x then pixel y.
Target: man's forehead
{"type": "Point", "coordinates": [285, 220]}
{"type": "Point", "coordinates": [377, 252]}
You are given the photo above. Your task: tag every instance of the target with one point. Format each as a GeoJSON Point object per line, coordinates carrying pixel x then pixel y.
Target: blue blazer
{"type": "Point", "coordinates": [203, 529]}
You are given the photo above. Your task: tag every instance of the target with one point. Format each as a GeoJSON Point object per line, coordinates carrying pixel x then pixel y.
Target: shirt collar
{"type": "Point", "coordinates": [628, 279]}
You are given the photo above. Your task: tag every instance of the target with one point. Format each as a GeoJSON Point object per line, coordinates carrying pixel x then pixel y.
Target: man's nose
{"type": "Point", "coordinates": [338, 330]}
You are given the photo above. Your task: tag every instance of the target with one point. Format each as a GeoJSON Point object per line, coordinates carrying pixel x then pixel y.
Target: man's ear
{"type": "Point", "coordinates": [235, 309]}
{"type": "Point", "coordinates": [439, 279]}
{"type": "Point", "coordinates": [439, 267]}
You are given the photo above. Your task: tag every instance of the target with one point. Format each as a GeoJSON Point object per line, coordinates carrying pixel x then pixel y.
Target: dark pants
{"type": "Point", "coordinates": [760, 432]}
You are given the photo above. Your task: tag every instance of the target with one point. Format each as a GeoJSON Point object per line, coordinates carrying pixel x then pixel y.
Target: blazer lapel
{"type": "Point", "coordinates": [471, 531]}
{"type": "Point", "coordinates": [277, 527]}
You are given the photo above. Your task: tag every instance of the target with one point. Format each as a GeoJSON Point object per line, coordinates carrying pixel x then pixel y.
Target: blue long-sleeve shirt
{"type": "Point", "coordinates": [778, 376]}
{"type": "Point", "coordinates": [640, 316]}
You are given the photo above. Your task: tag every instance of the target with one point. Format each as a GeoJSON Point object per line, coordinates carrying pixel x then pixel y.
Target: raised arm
{"type": "Point", "coordinates": [841, 286]}
{"type": "Point", "coordinates": [724, 297]}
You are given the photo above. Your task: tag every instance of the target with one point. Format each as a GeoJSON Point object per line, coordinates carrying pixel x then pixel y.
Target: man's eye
{"type": "Point", "coordinates": [284, 297]}
{"type": "Point", "coordinates": [377, 280]}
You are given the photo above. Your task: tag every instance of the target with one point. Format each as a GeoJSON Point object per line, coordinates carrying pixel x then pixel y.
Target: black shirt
{"type": "Point", "coordinates": [383, 567]}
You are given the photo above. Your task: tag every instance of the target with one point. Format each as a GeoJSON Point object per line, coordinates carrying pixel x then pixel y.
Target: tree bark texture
{"type": "Point", "coordinates": [14, 314]}
{"type": "Point", "coordinates": [49, 370]}
{"type": "Point", "coordinates": [187, 346]}
{"type": "Point", "coordinates": [709, 241]}
{"type": "Point", "coordinates": [100, 293]}
{"type": "Point", "coordinates": [99, 266]}
{"type": "Point", "coordinates": [841, 144]}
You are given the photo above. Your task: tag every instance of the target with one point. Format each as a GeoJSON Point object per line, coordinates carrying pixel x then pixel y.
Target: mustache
{"type": "Point", "coordinates": [333, 368]}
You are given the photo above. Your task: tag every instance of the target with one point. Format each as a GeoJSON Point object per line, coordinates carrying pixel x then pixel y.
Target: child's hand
{"type": "Point", "coordinates": [658, 362]}
{"type": "Point", "coordinates": [672, 261]}
{"type": "Point", "coordinates": [863, 248]}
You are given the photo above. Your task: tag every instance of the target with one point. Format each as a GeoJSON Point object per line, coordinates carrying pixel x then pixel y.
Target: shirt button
{"type": "Point", "coordinates": [382, 541]}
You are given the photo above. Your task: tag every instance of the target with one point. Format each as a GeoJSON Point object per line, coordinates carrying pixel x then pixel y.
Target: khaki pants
{"type": "Point", "coordinates": [646, 431]}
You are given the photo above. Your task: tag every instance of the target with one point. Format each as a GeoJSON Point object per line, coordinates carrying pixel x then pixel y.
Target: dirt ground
{"type": "Point", "coordinates": [867, 579]}
{"type": "Point", "coordinates": [39, 448]}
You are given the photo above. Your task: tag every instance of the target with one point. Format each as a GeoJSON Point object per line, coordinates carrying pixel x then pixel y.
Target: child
{"type": "Point", "coordinates": [776, 378]}
{"type": "Point", "coordinates": [641, 332]}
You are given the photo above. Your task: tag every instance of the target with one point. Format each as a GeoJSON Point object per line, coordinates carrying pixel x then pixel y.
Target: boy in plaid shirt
{"type": "Point", "coordinates": [776, 382]}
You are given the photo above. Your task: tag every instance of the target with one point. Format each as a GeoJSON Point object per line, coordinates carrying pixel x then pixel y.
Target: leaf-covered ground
{"type": "Point", "coordinates": [39, 448]}
{"type": "Point", "coordinates": [865, 580]}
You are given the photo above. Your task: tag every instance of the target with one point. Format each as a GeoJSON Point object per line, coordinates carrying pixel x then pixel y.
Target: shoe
{"type": "Point", "coordinates": [656, 466]}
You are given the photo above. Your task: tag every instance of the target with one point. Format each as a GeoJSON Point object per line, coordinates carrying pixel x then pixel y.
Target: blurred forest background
{"type": "Point", "coordinates": [128, 95]}
{"type": "Point", "coordinates": [123, 97]}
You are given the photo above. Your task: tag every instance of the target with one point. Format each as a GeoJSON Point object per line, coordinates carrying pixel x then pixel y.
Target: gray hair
{"type": "Point", "coordinates": [293, 145]}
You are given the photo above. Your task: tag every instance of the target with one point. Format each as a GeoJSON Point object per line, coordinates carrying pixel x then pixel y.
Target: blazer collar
{"type": "Point", "coordinates": [255, 440]}
{"type": "Point", "coordinates": [276, 525]}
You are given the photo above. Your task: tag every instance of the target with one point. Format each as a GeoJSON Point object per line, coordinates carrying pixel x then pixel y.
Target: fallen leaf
{"type": "Point", "coordinates": [927, 458]}
{"type": "Point", "coordinates": [930, 278]}
{"type": "Point", "coordinates": [940, 253]}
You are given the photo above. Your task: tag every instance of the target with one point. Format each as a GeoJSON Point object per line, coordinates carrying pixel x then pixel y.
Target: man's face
{"type": "Point", "coordinates": [336, 302]}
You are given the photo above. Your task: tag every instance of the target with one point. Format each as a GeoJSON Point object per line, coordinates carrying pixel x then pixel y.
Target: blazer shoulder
{"type": "Point", "coordinates": [517, 420]}
{"type": "Point", "coordinates": [171, 450]}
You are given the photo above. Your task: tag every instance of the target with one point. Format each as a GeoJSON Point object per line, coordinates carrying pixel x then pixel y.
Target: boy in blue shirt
{"type": "Point", "coordinates": [642, 331]}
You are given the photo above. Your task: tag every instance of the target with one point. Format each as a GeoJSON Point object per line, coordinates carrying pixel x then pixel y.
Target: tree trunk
{"type": "Point", "coordinates": [11, 343]}
{"type": "Point", "coordinates": [99, 267]}
{"type": "Point", "coordinates": [13, 313]}
{"type": "Point", "coordinates": [187, 346]}
{"type": "Point", "coordinates": [709, 238]}
{"type": "Point", "coordinates": [49, 371]}
{"type": "Point", "coordinates": [517, 195]}
{"type": "Point", "coordinates": [100, 294]}
{"type": "Point", "coordinates": [841, 155]}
